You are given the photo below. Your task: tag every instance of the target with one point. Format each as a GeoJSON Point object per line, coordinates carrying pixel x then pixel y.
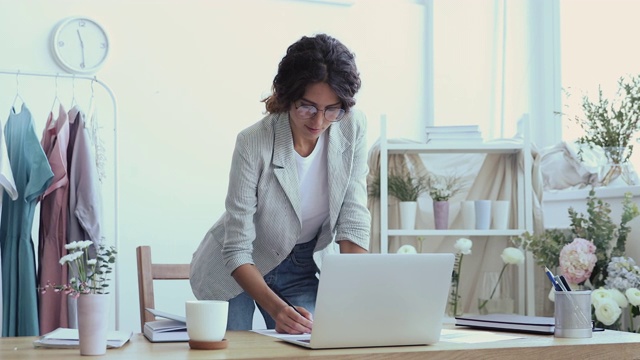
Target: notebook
{"type": "Point", "coordinates": [509, 322]}
{"type": "Point", "coordinates": [367, 300]}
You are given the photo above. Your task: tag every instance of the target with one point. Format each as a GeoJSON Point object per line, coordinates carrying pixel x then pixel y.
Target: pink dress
{"type": "Point", "coordinates": [85, 200]}
{"type": "Point", "coordinates": [85, 196]}
{"type": "Point", "coordinates": [53, 225]}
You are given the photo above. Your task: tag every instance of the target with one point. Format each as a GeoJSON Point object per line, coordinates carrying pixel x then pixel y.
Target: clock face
{"type": "Point", "coordinates": [80, 45]}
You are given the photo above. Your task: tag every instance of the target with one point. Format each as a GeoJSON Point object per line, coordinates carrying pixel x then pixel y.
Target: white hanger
{"type": "Point", "coordinates": [56, 98]}
{"type": "Point", "coordinates": [13, 105]}
{"type": "Point", "coordinates": [73, 89]}
{"type": "Point", "coordinates": [53, 115]}
{"type": "Point", "coordinates": [89, 115]}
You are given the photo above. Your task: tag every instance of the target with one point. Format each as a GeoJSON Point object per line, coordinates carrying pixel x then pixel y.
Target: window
{"type": "Point", "coordinates": [598, 46]}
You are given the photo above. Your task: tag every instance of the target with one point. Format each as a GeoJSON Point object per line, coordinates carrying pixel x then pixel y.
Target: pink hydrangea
{"type": "Point", "coordinates": [577, 260]}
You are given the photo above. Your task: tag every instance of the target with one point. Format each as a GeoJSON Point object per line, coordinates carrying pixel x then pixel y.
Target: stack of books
{"type": "Point", "coordinates": [166, 331]}
{"type": "Point", "coordinates": [454, 134]}
{"type": "Point", "coordinates": [174, 328]}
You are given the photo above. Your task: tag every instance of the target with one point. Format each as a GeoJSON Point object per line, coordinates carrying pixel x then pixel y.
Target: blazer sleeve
{"type": "Point", "coordinates": [354, 219]}
{"type": "Point", "coordinates": [241, 204]}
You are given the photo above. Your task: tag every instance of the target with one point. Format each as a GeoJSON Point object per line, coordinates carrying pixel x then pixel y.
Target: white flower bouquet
{"type": "Point", "coordinates": [88, 275]}
{"type": "Point", "coordinates": [442, 188]}
{"type": "Point", "coordinates": [621, 291]}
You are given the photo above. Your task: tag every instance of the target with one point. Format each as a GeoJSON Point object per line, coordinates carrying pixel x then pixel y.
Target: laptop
{"type": "Point", "coordinates": [367, 300]}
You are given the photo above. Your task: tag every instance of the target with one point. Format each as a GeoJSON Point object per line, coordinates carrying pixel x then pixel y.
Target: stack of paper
{"type": "Point", "coordinates": [454, 134]}
{"type": "Point", "coordinates": [68, 338]}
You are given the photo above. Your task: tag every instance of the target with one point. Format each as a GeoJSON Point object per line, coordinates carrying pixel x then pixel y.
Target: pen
{"type": "Point", "coordinates": [553, 279]}
{"type": "Point", "coordinates": [286, 301]}
{"type": "Point", "coordinates": [559, 282]}
{"type": "Point", "coordinates": [565, 283]}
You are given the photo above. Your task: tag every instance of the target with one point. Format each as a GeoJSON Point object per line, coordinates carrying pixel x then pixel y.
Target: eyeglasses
{"type": "Point", "coordinates": [332, 114]}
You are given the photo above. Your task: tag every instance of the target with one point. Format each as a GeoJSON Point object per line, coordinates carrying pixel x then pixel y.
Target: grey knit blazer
{"type": "Point", "coordinates": [262, 223]}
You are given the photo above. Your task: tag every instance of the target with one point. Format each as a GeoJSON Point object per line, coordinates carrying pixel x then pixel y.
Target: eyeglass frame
{"type": "Point", "coordinates": [324, 116]}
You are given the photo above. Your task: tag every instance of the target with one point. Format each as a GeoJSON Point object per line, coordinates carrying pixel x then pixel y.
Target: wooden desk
{"type": "Point", "coordinates": [248, 345]}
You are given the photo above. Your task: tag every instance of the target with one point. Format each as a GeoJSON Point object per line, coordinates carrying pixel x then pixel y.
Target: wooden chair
{"type": "Point", "coordinates": [147, 272]}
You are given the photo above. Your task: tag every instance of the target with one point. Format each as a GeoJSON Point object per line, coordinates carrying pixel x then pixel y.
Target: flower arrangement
{"type": "Point", "coordinates": [463, 247]}
{"type": "Point", "coordinates": [577, 260]}
{"type": "Point", "coordinates": [597, 227]}
{"type": "Point", "coordinates": [510, 256]}
{"type": "Point", "coordinates": [88, 276]}
{"type": "Point", "coordinates": [621, 290]}
{"type": "Point", "coordinates": [442, 188]}
{"type": "Point", "coordinates": [590, 255]}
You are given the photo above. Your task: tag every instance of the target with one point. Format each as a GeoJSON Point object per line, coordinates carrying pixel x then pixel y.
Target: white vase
{"type": "Point", "coordinates": [500, 214]}
{"type": "Point", "coordinates": [468, 214]}
{"type": "Point", "coordinates": [93, 320]}
{"type": "Point", "coordinates": [483, 214]}
{"type": "Point", "coordinates": [408, 211]}
{"type": "Point", "coordinates": [494, 295]}
{"type": "Point", "coordinates": [617, 166]}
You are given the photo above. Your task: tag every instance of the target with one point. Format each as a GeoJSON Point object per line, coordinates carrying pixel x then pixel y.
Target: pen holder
{"type": "Point", "coordinates": [573, 314]}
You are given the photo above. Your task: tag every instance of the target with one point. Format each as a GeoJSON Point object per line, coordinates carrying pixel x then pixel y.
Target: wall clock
{"type": "Point", "coordinates": [79, 45]}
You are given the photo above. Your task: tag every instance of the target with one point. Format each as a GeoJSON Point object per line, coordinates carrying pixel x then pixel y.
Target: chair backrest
{"type": "Point", "coordinates": [147, 272]}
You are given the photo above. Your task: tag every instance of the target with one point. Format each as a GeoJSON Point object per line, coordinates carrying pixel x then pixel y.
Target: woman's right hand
{"type": "Point", "coordinates": [289, 321]}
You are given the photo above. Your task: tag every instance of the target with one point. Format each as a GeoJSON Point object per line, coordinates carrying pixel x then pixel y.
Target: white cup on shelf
{"type": "Point", "coordinates": [483, 214]}
{"type": "Point", "coordinates": [468, 214]}
{"type": "Point", "coordinates": [500, 214]}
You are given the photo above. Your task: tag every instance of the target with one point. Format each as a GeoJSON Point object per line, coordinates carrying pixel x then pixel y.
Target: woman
{"type": "Point", "coordinates": [297, 190]}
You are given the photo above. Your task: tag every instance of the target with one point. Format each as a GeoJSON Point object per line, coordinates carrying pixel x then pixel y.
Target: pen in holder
{"type": "Point", "coordinates": [573, 314]}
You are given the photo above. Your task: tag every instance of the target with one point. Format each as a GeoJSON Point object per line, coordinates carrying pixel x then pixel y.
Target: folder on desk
{"type": "Point", "coordinates": [509, 322]}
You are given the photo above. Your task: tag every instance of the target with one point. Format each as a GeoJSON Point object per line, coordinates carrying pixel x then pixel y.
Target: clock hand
{"type": "Point", "coordinates": [81, 47]}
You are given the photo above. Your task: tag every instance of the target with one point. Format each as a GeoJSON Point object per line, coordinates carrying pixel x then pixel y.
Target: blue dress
{"type": "Point", "coordinates": [32, 174]}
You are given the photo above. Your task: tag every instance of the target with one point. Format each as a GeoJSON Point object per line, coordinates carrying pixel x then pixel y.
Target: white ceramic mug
{"type": "Point", "coordinates": [206, 319]}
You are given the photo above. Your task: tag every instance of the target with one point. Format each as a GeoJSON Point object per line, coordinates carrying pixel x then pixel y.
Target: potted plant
{"type": "Point", "coordinates": [611, 124]}
{"type": "Point", "coordinates": [441, 188]}
{"type": "Point", "coordinates": [406, 188]}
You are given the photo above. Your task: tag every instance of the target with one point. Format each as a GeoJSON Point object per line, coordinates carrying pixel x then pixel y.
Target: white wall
{"type": "Point", "coordinates": [188, 75]}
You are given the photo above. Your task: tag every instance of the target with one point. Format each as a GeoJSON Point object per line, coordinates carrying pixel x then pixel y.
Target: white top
{"type": "Point", "coordinates": [314, 190]}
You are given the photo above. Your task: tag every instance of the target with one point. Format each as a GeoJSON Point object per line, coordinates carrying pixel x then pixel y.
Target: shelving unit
{"type": "Point", "coordinates": [524, 200]}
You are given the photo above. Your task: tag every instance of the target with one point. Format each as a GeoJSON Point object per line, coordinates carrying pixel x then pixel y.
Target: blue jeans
{"type": "Point", "coordinates": [295, 278]}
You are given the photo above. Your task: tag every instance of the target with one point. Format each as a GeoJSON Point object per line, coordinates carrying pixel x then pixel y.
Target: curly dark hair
{"type": "Point", "coordinates": [311, 60]}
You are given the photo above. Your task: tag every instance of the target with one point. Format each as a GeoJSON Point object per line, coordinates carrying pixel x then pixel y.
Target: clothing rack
{"type": "Point", "coordinates": [93, 79]}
